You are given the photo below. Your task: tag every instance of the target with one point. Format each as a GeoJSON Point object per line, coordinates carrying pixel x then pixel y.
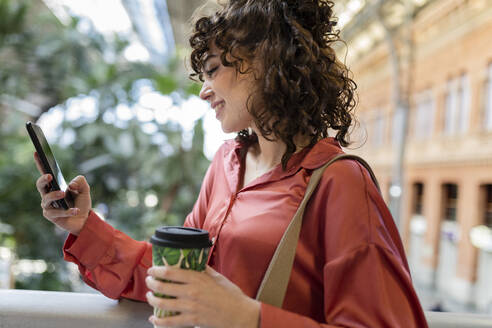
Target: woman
{"type": "Point", "coordinates": [269, 72]}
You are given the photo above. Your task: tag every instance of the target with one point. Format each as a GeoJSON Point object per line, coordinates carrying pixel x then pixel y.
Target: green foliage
{"type": "Point", "coordinates": [13, 17]}
{"type": "Point", "coordinates": [165, 84]}
{"type": "Point", "coordinates": [51, 62]}
{"type": "Point", "coordinates": [193, 89]}
{"type": "Point", "coordinates": [120, 161]}
{"type": "Point", "coordinates": [48, 280]}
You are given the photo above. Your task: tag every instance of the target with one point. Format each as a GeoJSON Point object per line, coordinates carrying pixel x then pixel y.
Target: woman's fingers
{"type": "Point", "coordinates": [168, 304]}
{"type": "Point", "coordinates": [180, 320]}
{"type": "Point", "coordinates": [166, 288]}
{"type": "Point", "coordinates": [52, 214]}
{"type": "Point", "coordinates": [79, 185]}
{"type": "Point", "coordinates": [42, 182]}
{"type": "Point", "coordinates": [202, 299]}
{"type": "Point", "coordinates": [51, 197]}
{"type": "Point", "coordinates": [37, 160]}
{"type": "Point", "coordinates": [175, 274]}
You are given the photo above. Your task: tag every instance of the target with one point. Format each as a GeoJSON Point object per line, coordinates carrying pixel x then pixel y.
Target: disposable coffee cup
{"type": "Point", "coordinates": [182, 247]}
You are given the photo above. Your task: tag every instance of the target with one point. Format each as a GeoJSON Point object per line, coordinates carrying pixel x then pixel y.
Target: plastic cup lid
{"type": "Point", "coordinates": [181, 237]}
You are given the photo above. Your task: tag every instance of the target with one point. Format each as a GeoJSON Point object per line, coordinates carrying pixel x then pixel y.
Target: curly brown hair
{"type": "Point", "coordinates": [301, 86]}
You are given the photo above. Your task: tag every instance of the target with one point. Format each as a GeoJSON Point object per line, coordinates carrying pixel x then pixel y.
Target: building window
{"type": "Point", "coordinates": [424, 116]}
{"type": "Point", "coordinates": [488, 100]}
{"type": "Point", "coordinates": [457, 106]}
{"type": "Point", "coordinates": [450, 201]}
{"type": "Point", "coordinates": [451, 109]}
{"type": "Point", "coordinates": [418, 198]}
{"type": "Point", "coordinates": [463, 103]}
{"type": "Point", "coordinates": [488, 205]}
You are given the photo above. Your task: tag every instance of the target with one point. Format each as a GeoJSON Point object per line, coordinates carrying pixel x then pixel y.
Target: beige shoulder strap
{"type": "Point", "coordinates": [274, 285]}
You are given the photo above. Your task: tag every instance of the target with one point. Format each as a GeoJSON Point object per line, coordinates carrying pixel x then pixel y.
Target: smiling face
{"type": "Point", "coordinates": [227, 91]}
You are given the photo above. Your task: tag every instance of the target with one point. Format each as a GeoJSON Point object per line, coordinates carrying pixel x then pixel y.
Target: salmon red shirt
{"type": "Point", "coordinates": [349, 270]}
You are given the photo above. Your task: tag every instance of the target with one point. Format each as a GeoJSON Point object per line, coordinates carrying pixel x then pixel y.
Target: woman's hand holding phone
{"type": "Point", "coordinates": [72, 219]}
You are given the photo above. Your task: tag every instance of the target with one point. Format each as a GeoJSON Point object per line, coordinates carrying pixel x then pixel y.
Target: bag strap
{"type": "Point", "coordinates": [274, 284]}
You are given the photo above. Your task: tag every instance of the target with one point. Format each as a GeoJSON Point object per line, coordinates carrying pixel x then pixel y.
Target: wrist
{"type": "Point", "coordinates": [254, 307]}
{"type": "Point", "coordinates": [83, 220]}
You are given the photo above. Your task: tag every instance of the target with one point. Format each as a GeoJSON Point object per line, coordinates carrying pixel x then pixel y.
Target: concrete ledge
{"type": "Point", "coordinates": [41, 309]}
{"type": "Point", "coordinates": [457, 320]}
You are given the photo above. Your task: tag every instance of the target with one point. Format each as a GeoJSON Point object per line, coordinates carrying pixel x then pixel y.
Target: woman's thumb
{"type": "Point", "coordinates": [79, 184]}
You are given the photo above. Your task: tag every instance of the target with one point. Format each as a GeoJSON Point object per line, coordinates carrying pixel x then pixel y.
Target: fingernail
{"type": "Point", "coordinates": [150, 271]}
{"type": "Point", "coordinates": [60, 193]}
{"type": "Point", "coordinates": [151, 319]}
{"type": "Point", "coordinates": [148, 294]}
{"type": "Point", "coordinates": [75, 211]}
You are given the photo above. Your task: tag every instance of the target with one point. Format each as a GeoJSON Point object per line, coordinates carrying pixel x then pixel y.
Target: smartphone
{"type": "Point", "coordinates": [50, 166]}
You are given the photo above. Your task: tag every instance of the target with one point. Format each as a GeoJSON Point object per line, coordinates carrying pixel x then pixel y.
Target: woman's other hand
{"type": "Point", "coordinates": [72, 219]}
{"type": "Point", "coordinates": [205, 299]}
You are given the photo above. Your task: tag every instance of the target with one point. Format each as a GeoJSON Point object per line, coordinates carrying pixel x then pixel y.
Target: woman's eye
{"type": "Point", "coordinates": [211, 71]}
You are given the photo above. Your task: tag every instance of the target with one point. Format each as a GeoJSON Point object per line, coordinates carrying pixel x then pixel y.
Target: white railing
{"type": "Point", "coordinates": [41, 309]}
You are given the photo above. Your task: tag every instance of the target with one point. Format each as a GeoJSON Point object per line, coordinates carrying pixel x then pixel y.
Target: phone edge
{"type": "Point", "coordinates": [32, 134]}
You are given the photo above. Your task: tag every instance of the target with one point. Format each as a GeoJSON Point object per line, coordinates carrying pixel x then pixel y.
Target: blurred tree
{"type": "Point", "coordinates": [49, 65]}
{"type": "Point", "coordinates": [49, 62]}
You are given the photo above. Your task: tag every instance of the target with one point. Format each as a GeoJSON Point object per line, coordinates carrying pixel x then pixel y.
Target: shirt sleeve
{"type": "Point", "coordinates": [109, 260]}
{"type": "Point", "coordinates": [365, 277]}
{"type": "Point", "coordinates": [115, 264]}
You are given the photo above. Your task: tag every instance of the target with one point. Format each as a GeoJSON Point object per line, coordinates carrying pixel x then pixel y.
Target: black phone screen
{"type": "Point", "coordinates": [50, 164]}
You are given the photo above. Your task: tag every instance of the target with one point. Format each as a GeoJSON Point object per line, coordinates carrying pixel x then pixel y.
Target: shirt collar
{"type": "Point", "coordinates": [309, 158]}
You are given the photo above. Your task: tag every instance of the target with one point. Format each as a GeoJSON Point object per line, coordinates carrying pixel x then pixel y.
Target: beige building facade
{"type": "Point", "coordinates": [446, 75]}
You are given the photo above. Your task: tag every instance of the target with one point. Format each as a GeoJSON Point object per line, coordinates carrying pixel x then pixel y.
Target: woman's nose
{"type": "Point", "coordinates": [206, 91]}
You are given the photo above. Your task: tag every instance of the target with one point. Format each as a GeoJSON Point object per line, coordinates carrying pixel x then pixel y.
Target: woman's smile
{"type": "Point", "coordinates": [219, 109]}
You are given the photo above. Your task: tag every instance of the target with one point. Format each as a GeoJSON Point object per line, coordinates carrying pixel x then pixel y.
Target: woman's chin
{"type": "Point", "coordinates": [230, 129]}
{"type": "Point", "coordinates": [234, 126]}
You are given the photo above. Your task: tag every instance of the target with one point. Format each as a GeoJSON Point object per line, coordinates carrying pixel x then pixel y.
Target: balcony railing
{"type": "Point", "coordinates": [41, 309]}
